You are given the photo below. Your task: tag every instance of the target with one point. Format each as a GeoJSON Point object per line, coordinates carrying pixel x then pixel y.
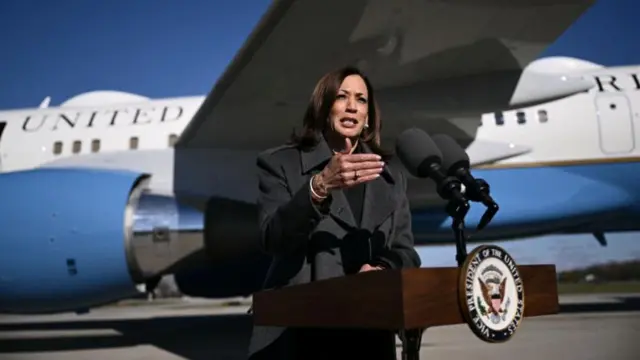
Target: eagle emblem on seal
{"type": "Point", "coordinates": [493, 288]}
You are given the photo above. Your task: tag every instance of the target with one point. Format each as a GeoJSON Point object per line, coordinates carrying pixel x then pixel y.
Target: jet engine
{"type": "Point", "coordinates": [75, 238]}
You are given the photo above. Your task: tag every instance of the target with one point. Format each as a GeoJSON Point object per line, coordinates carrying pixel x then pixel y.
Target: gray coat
{"type": "Point", "coordinates": [311, 243]}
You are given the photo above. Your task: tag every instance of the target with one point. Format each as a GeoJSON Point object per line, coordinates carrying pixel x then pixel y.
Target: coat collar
{"type": "Point", "coordinates": [379, 199]}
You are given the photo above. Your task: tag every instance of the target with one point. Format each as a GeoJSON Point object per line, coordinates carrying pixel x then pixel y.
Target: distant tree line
{"type": "Point", "coordinates": [613, 271]}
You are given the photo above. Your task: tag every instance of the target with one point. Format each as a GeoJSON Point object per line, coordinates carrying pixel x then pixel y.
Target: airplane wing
{"type": "Point", "coordinates": [262, 94]}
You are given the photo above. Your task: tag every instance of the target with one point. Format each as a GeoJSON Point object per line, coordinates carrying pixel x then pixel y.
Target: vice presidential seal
{"type": "Point", "coordinates": [491, 293]}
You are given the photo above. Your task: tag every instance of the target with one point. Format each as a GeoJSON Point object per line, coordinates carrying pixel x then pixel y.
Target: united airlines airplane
{"type": "Point", "coordinates": [110, 190]}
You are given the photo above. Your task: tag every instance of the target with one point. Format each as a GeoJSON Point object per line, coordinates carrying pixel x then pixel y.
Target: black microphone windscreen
{"type": "Point", "coordinates": [415, 149]}
{"type": "Point", "coordinates": [452, 153]}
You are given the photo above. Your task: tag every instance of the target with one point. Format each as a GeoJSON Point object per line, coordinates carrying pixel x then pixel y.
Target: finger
{"type": "Point", "coordinates": [352, 182]}
{"type": "Point", "coordinates": [366, 267]}
{"type": "Point", "coordinates": [369, 165]}
{"type": "Point", "coordinates": [364, 179]}
{"type": "Point", "coordinates": [352, 176]}
{"type": "Point", "coordinates": [361, 157]}
{"type": "Point", "coordinates": [347, 146]}
{"type": "Point", "coordinates": [362, 173]}
{"type": "Point", "coordinates": [348, 167]}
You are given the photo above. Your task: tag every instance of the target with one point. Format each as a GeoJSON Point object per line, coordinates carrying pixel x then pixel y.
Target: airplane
{"type": "Point", "coordinates": [110, 190]}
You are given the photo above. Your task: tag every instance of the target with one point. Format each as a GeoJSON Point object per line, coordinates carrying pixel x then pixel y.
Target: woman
{"type": "Point", "coordinates": [330, 206]}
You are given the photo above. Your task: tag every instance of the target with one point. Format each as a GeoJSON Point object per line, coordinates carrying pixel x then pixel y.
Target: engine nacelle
{"type": "Point", "coordinates": [76, 238]}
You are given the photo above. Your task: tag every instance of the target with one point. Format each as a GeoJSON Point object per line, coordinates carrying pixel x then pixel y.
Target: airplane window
{"type": "Point", "coordinates": [77, 146]}
{"type": "Point", "coordinates": [499, 118]}
{"type": "Point", "coordinates": [57, 147]}
{"type": "Point", "coordinates": [172, 139]}
{"type": "Point", "coordinates": [521, 117]}
{"type": "Point", "coordinates": [133, 143]}
{"type": "Point", "coordinates": [95, 145]}
{"type": "Point", "coordinates": [542, 116]}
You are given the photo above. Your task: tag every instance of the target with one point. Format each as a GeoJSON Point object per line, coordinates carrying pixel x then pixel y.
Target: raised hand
{"type": "Point", "coordinates": [346, 169]}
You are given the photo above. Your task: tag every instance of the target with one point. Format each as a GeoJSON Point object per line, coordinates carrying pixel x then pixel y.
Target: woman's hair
{"type": "Point", "coordinates": [316, 117]}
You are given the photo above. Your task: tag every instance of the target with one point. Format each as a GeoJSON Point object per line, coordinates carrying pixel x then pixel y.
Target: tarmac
{"type": "Point", "coordinates": [588, 327]}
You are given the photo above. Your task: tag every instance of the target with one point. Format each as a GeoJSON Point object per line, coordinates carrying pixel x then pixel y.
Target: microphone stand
{"type": "Point", "coordinates": [457, 208]}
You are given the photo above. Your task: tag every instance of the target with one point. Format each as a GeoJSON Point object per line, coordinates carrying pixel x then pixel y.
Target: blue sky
{"type": "Point", "coordinates": [164, 48]}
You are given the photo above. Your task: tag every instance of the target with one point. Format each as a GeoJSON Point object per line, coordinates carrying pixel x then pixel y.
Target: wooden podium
{"type": "Point", "coordinates": [407, 301]}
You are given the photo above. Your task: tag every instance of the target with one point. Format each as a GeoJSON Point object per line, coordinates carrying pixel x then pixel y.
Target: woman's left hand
{"type": "Point", "coordinates": [367, 267]}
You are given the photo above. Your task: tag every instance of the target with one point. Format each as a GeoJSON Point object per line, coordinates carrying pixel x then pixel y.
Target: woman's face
{"type": "Point", "coordinates": [349, 113]}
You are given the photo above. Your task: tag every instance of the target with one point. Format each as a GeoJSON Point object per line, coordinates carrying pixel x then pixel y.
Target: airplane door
{"type": "Point", "coordinates": [615, 123]}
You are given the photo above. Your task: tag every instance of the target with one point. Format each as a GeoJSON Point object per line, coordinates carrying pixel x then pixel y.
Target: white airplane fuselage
{"type": "Point", "coordinates": [583, 127]}
{"type": "Point", "coordinates": [34, 137]}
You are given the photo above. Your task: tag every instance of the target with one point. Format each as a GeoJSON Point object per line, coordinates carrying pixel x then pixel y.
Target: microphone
{"type": "Point", "coordinates": [422, 158]}
{"type": "Point", "coordinates": [456, 162]}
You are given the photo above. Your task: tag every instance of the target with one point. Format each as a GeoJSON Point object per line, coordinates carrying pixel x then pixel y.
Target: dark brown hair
{"type": "Point", "coordinates": [316, 117]}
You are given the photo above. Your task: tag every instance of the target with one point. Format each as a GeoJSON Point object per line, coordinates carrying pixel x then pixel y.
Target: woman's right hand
{"type": "Point", "coordinates": [346, 170]}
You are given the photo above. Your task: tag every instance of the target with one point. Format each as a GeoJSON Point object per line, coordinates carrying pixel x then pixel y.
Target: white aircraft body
{"type": "Point", "coordinates": [109, 189]}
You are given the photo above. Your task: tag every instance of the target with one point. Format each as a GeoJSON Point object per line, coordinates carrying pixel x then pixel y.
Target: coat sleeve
{"type": "Point", "coordinates": [401, 253]}
{"type": "Point", "coordinates": [286, 218]}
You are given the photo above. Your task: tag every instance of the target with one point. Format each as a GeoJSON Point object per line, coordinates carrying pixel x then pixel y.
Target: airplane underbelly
{"type": "Point", "coordinates": [538, 200]}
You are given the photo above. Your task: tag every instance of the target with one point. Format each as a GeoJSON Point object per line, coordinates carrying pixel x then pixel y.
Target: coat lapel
{"type": "Point", "coordinates": [379, 199]}
{"type": "Point", "coordinates": [341, 210]}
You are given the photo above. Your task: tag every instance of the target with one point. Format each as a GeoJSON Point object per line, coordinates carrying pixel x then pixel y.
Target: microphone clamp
{"type": "Point", "coordinates": [479, 193]}
{"type": "Point", "coordinates": [483, 195]}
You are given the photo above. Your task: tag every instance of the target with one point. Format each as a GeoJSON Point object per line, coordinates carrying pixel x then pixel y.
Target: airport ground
{"type": "Point", "coordinates": [590, 326]}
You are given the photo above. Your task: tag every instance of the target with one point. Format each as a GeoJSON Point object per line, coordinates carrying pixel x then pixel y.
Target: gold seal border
{"type": "Point", "coordinates": [462, 294]}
